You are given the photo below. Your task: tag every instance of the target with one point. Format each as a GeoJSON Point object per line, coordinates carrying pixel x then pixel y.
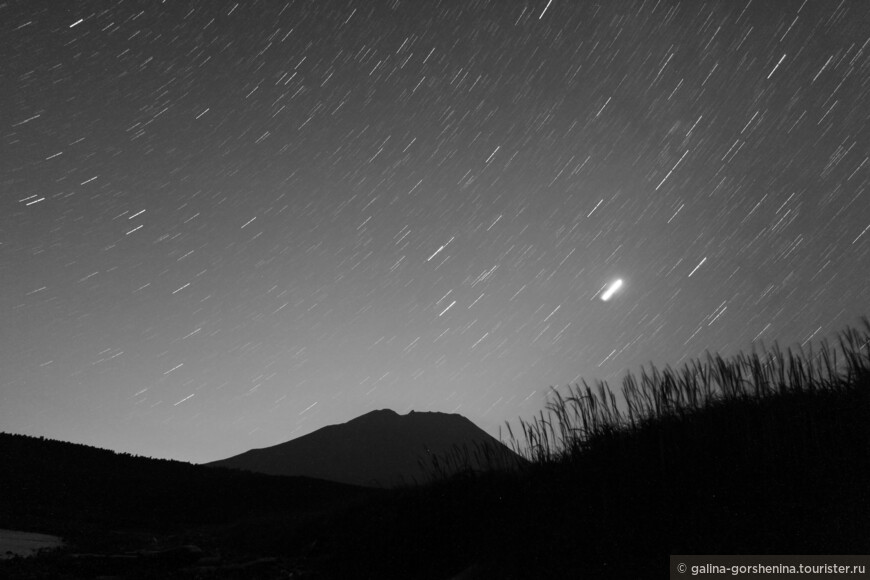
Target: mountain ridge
{"type": "Point", "coordinates": [381, 448]}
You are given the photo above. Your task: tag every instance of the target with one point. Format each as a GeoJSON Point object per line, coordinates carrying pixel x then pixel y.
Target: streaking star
{"type": "Point", "coordinates": [611, 290]}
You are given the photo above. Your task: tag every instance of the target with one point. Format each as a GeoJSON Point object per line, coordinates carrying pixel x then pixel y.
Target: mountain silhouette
{"type": "Point", "coordinates": [382, 449]}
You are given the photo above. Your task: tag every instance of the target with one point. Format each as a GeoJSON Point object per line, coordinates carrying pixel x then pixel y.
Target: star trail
{"type": "Point", "coordinates": [227, 224]}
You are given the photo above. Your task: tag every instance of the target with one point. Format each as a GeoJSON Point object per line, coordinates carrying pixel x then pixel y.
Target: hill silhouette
{"type": "Point", "coordinates": [756, 454]}
{"type": "Point", "coordinates": [382, 449]}
{"type": "Point", "coordinates": [66, 488]}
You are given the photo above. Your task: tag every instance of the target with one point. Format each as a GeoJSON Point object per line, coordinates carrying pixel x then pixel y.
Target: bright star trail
{"type": "Point", "coordinates": [611, 290]}
{"type": "Point", "coordinates": [228, 224]}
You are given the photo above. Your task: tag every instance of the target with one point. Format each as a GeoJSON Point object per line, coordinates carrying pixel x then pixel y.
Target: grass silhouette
{"type": "Point", "coordinates": [588, 418]}
{"type": "Point", "coordinates": [760, 453]}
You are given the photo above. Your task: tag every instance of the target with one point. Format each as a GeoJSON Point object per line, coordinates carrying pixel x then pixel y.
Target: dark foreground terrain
{"type": "Point", "coordinates": [760, 454]}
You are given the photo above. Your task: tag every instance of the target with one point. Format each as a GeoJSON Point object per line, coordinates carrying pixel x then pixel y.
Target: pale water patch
{"type": "Point", "coordinates": [16, 543]}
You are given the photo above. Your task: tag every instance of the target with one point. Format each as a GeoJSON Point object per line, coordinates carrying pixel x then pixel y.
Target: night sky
{"type": "Point", "coordinates": [224, 225]}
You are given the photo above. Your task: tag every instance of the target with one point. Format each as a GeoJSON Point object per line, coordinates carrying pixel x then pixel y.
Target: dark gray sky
{"type": "Point", "coordinates": [224, 225]}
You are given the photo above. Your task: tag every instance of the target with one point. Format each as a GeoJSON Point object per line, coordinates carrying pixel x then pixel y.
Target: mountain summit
{"type": "Point", "coordinates": [381, 449]}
